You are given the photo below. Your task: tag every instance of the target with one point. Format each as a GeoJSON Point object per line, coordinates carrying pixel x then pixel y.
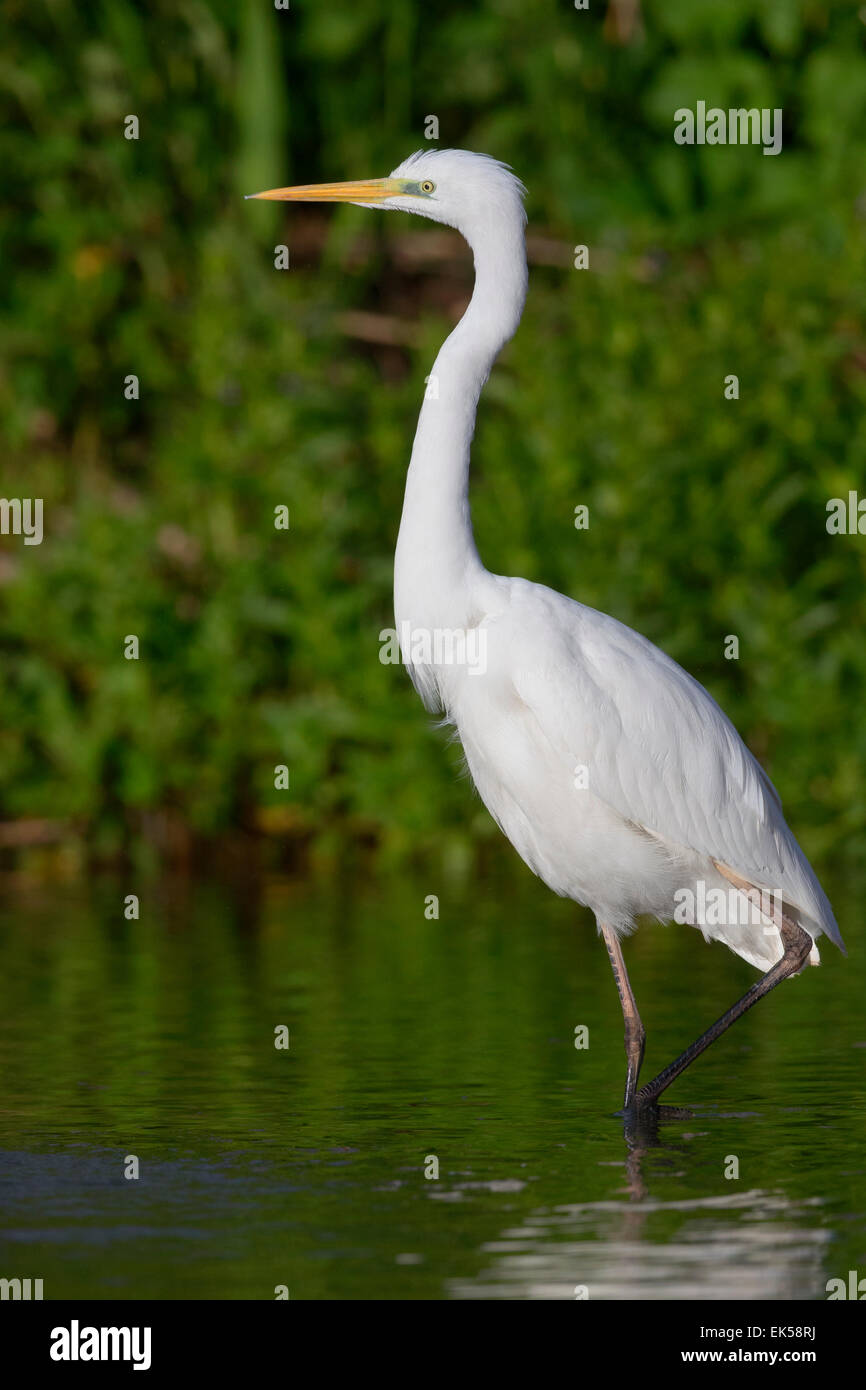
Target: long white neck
{"type": "Point", "coordinates": [436, 558]}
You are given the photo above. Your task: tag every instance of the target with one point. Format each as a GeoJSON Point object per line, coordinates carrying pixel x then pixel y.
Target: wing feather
{"type": "Point", "coordinates": [659, 749]}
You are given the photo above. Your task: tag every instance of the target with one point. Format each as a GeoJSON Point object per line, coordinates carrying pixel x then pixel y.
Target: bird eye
{"type": "Point", "coordinates": [427, 186]}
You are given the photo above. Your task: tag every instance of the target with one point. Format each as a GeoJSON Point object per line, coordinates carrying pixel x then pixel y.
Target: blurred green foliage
{"type": "Point", "coordinates": [260, 646]}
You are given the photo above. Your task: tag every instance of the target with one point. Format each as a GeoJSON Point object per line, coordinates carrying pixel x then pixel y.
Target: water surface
{"type": "Point", "coordinates": [411, 1039]}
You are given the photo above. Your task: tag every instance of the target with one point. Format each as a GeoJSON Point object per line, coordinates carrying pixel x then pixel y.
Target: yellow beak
{"type": "Point", "coordinates": [364, 191]}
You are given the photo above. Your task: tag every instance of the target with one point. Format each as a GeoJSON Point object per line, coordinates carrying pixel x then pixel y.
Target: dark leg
{"type": "Point", "coordinates": [635, 1033]}
{"type": "Point", "coordinates": [797, 944]}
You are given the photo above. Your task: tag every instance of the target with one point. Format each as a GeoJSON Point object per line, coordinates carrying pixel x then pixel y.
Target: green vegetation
{"type": "Point", "coordinates": [260, 646]}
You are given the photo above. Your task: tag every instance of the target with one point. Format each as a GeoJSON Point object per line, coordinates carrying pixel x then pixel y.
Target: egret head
{"type": "Point", "coordinates": [471, 192]}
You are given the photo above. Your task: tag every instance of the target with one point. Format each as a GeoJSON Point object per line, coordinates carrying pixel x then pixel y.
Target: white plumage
{"type": "Point", "coordinates": [671, 787]}
{"type": "Point", "coordinates": [668, 789]}
{"type": "Point", "coordinates": [613, 773]}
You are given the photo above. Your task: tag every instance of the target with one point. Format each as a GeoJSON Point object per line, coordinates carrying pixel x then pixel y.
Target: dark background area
{"type": "Point", "coordinates": [261, 387]}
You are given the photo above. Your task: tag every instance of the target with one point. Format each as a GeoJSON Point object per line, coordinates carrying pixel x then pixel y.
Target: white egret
{"type": "Point", "coordinates": [613, 773]}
